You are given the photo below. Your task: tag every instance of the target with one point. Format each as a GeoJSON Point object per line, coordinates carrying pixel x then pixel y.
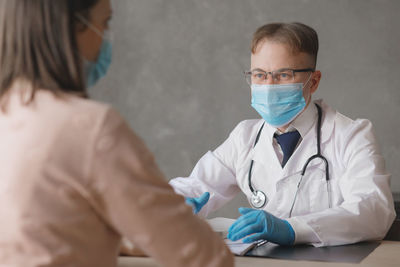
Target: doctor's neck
{"type": "Point", "coordinates": [285, 127]}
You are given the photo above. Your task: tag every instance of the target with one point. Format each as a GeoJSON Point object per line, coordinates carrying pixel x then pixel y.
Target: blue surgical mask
{"type": "Point", "coordinates": [278, 104]}
{"type": "Point", "coordinates": [95, 70]}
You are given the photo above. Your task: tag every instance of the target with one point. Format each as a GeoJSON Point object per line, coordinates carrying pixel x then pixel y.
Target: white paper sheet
{"type": "Point", "coordinates": [238, 247]}
{"type": "Point", "coordinates": [221, 226]}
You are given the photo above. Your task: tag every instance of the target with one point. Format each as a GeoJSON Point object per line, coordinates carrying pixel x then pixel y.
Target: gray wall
{"type": "Point", "coordinates": [177, 70]}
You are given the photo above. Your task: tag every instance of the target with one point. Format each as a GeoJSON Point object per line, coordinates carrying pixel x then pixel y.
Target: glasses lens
{"type": "Point", "coordinates": [256, 77]}
{"type": "Point", "coordinates": [284, 76]}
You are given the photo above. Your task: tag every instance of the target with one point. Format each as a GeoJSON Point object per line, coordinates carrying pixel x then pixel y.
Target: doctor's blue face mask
{"type": "Point", "coordinates": [95, 70]}
{"type": "Point", "coordinates": [278, 104]}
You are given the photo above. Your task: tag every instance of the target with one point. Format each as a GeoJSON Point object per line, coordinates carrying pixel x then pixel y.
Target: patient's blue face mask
{"type": "Point", "coordinates": [98, 69]}
{"type": "Point", "coordinates": [95, 70]}
{"type": "Point", "coordinates": [278, 104]}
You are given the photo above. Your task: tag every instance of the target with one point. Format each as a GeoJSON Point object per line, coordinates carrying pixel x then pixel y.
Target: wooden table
{"type": "Point", "coordinates": [387, 254]}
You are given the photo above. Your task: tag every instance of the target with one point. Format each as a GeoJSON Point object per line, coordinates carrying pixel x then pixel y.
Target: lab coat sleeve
{"type": "Point", "coordinates": [132, 196]}
{"type": "Point", "coordinates": [367, 211]}
{"type": "Point", "coordinates": [215, 172]}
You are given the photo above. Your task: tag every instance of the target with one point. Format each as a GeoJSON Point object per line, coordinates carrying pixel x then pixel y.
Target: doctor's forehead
{"type": "Point", "coordinates": [274, 55]}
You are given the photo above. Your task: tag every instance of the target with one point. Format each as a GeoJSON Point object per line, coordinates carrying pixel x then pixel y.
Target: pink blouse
{"type": "Point", "coordinates": [74, 179]}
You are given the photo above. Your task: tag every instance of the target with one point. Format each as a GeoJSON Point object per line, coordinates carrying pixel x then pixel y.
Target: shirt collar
{"type": "Point", "coordinates": [305, 120]}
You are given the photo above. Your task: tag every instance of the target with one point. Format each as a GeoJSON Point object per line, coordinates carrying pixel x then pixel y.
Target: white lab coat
{"type": "Point", "coordinates": [362, 203]}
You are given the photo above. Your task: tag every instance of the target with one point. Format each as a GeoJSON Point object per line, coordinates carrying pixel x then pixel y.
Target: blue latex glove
{"type": "Point", "coordinates": [260, 224]}
{"type": "Point", "coordinates": [198, 202]}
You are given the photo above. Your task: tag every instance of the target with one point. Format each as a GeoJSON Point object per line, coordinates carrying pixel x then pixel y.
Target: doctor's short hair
{"type": "Point", "coordinates": [298, 36]}
{"type": "Point", "coordinates": [38, 44]}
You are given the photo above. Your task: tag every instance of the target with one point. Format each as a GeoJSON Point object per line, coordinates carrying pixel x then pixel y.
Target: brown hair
{"type": "Point", "coordinates": [299, 37]}
{"type": "Point", "coordinates": [38, 44]}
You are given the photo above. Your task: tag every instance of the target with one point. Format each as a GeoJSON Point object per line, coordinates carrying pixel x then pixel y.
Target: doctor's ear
{"type": "Point", "coordinates": [315, 79]}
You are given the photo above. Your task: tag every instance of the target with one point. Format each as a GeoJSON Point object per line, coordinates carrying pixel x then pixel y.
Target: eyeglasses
{"type": "Point", "coordinates": [280, 76]}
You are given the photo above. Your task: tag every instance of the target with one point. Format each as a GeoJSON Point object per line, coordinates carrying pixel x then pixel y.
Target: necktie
{"type": "Point", "coordinates": [288, 142]}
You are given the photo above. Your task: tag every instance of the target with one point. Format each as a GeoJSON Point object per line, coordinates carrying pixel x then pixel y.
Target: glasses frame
{"type": "Point", "coordinates": [272, 73]}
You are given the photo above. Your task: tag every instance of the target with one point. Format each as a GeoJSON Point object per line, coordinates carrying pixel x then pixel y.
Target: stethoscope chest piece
{"type": "Point", "coordinates": [258, 199]}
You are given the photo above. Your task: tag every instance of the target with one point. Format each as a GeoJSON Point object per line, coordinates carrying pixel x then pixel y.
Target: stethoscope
{"type": "Point", "coordinates": [258, 197]}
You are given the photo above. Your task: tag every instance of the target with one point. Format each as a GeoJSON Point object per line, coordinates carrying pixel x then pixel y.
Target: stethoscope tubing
{"type": "Point", "coordinates": [316, 156]}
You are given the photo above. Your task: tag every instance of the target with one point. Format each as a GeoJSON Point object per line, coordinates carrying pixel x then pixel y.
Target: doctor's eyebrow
{"type": "Point", "coordinates": [258, 69]}
{"type": "Point", "coordinates": [281, 69]}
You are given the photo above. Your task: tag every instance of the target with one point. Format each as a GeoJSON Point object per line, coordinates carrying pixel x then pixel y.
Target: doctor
{"type": "Point", "coordinates": [311, 174]}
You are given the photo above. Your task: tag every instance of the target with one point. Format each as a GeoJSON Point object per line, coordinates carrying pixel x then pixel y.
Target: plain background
{"type": "Point", "coordinates": [177, 70]}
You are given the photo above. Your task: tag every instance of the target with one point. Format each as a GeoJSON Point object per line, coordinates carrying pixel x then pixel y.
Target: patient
{"type": "Point", "coordinates": [74, 177]}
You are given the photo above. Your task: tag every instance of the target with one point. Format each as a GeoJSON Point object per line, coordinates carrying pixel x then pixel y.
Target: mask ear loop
{"type": "Point", "coordinates": [305, 84]}
{"type": "Point", "coordinates": [106, 35]}
{"type": "Point", "coordinates": [89, 24]}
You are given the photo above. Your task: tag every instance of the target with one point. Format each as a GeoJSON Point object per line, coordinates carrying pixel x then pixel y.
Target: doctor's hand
{"type": "Point", "coordinates": [197, 202]}
{"type": "Point", "coordinates": [260, 224]}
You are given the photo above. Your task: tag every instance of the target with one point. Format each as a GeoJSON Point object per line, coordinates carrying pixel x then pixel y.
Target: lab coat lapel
{"type": "Point", "coordinates": [308, 146]}
{"type": "Point", "coordinates": [264, 153]}
{"type": "Point", "coordinates": [328, 121]}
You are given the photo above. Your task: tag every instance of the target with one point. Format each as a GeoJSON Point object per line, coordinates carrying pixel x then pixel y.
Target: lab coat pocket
{"type": "Point", "coordinates": [314, 186]}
